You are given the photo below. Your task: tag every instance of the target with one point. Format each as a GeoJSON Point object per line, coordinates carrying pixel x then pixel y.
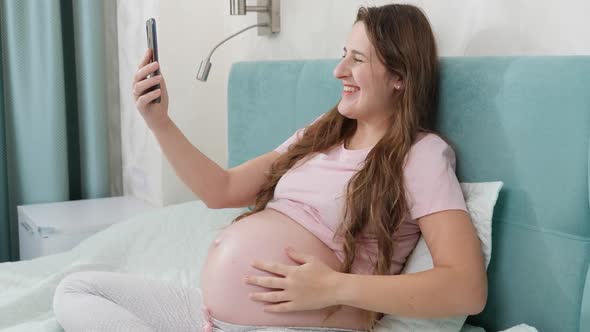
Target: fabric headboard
{"type": "Point", "coordinates": [522, 120]}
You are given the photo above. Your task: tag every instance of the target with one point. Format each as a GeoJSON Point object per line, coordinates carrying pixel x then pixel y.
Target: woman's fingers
{"type": "Point", "coordinates": [141, 84]}
{"type": "Point", "coordinates": [146, 58]}
{"type": "Point", "coordinates": [142, 72]}
{"type": "Point", "coordinates": [147, 98]}
{"type": "Point", "coordinates": [140, 87]}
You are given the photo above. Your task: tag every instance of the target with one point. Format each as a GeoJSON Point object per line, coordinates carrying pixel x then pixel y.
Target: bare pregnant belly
{"type": "Point", "coordinates": [263, 236]}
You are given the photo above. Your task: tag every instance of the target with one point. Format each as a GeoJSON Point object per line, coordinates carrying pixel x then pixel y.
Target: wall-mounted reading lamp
{"type": "Point", "coordinates": [268, 23]}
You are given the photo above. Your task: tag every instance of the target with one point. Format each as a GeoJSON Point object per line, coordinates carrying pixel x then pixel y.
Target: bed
{"type": "Point", "coordinates": [525, 120]}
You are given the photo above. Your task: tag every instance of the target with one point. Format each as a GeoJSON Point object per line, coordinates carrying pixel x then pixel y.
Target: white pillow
{"type": "Point", "coordinates": [480, 199]}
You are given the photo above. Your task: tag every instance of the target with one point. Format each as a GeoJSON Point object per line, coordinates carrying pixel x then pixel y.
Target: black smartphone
{"type": "Point", "coordinates": [152, 43]}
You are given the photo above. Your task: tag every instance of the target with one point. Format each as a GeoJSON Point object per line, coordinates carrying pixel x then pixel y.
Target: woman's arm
{"type": "Point", "coordinates": [457, 285]}
{"type": "Point", "coordinates": [217, 187]}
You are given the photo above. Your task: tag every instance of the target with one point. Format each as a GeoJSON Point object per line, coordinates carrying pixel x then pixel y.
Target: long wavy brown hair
{"type": "Point", "coordinates": [375, 201]}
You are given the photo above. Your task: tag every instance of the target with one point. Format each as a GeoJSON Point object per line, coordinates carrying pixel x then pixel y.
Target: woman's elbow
{"type": "Point", "coordinates": [478, 297]}
{"type": "Point", "coordinates": [478, 306]}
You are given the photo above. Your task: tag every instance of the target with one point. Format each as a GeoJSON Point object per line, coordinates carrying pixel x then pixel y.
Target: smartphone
{"type": "Point", "coordinates": [152, 43]}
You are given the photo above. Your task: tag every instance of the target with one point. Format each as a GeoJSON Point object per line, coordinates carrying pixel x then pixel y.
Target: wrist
{"type": "Point", "coordinates": [161, 125]}
{"type": "Point", "coordinates": [341, 288]}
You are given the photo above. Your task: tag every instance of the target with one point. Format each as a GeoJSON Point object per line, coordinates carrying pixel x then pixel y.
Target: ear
{"type": "Point", "coordinates": [396, 84]}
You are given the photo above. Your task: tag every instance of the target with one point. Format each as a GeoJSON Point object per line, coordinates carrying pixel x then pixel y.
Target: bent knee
{"type": "Point", "coordinates": [77, 282]}
{"type": "Point", "coordinates": [80, 281]}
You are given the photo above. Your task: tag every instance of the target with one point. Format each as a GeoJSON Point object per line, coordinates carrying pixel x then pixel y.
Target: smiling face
{"type": "Point", "coordinates": [369, 91]}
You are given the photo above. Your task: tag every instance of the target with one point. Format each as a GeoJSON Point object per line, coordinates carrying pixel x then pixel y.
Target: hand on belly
{"type": "Point", "coordinates": [263, 237]}
{"type": "Point", "coordinates": [309, 285]}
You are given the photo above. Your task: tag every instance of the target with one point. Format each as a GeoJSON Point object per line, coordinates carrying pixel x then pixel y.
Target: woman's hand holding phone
{"type": "Point", "coordinates": [154, 114]}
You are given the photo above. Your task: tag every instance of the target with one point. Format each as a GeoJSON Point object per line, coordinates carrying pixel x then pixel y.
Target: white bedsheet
{"type": "Point", "coordinates": [168, 244]}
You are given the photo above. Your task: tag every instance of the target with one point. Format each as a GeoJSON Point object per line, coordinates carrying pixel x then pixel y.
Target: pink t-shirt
{"type": "Point", "coordinates": [313, 193]}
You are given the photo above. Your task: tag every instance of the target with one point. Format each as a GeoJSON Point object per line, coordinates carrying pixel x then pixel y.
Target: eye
{"type": "Point", "coordinates": [355, 59]}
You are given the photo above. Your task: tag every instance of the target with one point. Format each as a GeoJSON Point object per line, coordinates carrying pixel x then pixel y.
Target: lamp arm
{"type": "Point", "coordinates": [233, 35]}
{"type": "Point", "coordinates": [205, 66]}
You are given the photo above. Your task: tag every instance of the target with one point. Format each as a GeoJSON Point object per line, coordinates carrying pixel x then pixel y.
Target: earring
{"type": "Point", "coordinates": [397, 86]}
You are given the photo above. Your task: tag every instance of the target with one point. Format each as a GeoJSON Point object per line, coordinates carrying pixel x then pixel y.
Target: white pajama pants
{"type": "Point", "coordinates": [115, 301]}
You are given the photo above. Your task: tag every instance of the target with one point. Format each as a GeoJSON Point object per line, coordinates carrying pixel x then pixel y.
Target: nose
{"type": "Point", "coordinates": [341, 70]}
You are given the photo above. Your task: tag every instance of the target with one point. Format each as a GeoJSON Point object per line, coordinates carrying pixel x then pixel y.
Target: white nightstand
{"type": "Point", "coordinates": [50, 228]}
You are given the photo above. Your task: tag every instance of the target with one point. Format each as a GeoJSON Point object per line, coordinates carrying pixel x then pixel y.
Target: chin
{"type": "Point", "coordinates": [347, 111]}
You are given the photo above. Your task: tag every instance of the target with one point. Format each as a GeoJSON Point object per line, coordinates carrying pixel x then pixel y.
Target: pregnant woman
{"type": "Point", "coordinates": [348, 195]}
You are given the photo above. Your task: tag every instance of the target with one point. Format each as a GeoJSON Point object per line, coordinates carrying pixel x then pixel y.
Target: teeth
{"type": "Point", "coordinates": [350, 89]}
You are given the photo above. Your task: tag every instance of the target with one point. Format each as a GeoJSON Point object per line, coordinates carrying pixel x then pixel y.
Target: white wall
{"type": "Point", "coordinates": [310, 29]}
{"type": "Point", "coordinates": [141, 159]}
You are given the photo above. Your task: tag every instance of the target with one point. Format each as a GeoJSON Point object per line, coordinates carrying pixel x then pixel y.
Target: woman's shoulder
{"type": "Point", "coordinates": [429, 141]}
{"type": "Point", "coordinates": [428, 148]}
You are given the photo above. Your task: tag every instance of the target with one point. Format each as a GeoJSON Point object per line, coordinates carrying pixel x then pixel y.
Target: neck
{"type": "Point", "coordinates": [367, 134]}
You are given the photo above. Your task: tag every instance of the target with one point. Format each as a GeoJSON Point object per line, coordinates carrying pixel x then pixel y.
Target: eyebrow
{"type": "Point", "coordinates": [355, 52]}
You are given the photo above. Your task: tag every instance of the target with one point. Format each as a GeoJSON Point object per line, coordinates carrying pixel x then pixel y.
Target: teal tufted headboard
{"type": "Point", "coordinates": [522, 120]}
